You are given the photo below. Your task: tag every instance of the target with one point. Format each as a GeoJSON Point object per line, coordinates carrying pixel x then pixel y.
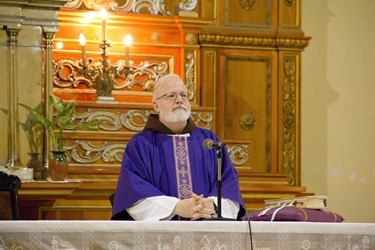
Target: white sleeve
{"type": "Point", "coordinates": [154, 208]}
{"type": "Point", "coordinates": [229, 208]}
{"type": "Point", "coordinates": [158, 208]}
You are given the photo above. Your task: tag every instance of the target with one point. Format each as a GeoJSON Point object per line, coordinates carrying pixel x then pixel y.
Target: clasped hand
{"type": "Point", "coordinates": [195, 207]}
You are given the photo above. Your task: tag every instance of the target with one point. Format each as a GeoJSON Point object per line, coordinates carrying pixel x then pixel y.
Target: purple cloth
{"type": "Point", "coordinates": [290, 213]}
{"type": "Point", "coordinates": [148, 169]}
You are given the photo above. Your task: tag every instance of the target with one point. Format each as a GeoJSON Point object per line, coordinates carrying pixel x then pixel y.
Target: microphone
{"type": "Point", "coordinates": [210, 144]}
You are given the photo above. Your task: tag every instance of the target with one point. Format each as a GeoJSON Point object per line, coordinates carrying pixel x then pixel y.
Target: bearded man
{"type": "Point", "coordinates": [166, 172]}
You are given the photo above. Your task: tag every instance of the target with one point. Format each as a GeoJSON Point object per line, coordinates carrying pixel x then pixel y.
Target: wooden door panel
{"type": "Point", "coordinates": [255, 14]}
{"type": "Point", "coordinates": [246, 111]}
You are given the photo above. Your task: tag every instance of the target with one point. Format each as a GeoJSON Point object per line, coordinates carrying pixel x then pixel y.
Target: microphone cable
{"type": "Point", "coordinates": [209, 144]}
{"type": "Point", "coordinates": [247, 219]}
{"type": "Point", "coordinates": [250, 234]}
{"type": "Point", "coordinates": [243, 201]}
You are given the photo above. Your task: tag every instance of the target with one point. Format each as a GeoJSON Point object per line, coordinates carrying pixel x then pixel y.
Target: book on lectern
{"type": "Point", "coordinates": [312, 202]}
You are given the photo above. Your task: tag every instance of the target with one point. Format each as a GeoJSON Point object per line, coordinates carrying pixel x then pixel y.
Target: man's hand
{"type": "Point", "coordinates": [204, 207]}
{"type": "Point", "coordinates": [196, 207]}
{"type": "Point", "coordinates": [185, 208]}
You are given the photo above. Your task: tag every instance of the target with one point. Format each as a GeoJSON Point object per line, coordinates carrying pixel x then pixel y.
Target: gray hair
{"type": "Point", "coordinates": [160, 82]}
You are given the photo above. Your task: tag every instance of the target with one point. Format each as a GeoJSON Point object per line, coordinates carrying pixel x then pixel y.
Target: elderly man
{"type": "Point", "coordinates": [166, 172]}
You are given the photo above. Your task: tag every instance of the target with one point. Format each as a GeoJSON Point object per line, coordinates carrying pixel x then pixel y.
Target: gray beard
{"type": "Point", "coordinates": [178, 115]}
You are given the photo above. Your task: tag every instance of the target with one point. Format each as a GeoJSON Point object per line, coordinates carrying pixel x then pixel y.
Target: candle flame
{"type": "Point", "coordinates": [59, 45]}
{"type": "Point", "coordinates": [82, 39]}
{"type": "Point", "coordinates": [128, 40]}
{"type": "Point", "coordinates": [104, 14]}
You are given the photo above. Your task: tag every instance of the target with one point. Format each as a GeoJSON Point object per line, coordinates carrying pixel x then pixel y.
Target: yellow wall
{"type": "Point", "coordinates": [338, 105]}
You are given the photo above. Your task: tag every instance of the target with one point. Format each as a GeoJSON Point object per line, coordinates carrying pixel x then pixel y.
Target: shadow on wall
{"type": "Point", "coordinates": [317, 95]}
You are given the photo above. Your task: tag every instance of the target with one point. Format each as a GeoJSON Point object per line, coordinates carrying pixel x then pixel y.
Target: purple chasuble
{"type": "Point", "coordinates": [157, 164]}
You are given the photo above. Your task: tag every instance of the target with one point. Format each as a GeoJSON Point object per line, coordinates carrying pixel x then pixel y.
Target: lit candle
{"type": "Point", "coordinates": [82, 41]}
{"type": "Point", "coordinates": [127, 42]}
{"type": "Point", "coordinates": [104, 18]}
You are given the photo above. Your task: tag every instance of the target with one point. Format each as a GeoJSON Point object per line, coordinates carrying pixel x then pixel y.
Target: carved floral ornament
{"type": "Point", "coordinates": [238, 153]}
{"type": "Point", "coordinates": [249, 4]}
{"type": "Point", "coordinates": [86, 152]}
{"type": "Point", "coordinates": [67, 74]}
{"type": "Point", "coordinates": [247, 121]}
{"type": "Point", "coordinates": [290, 109]}
{"type": "Point", "coordinates": [133, 121]}
{"type": "Point", "coordinates": [289, 2]}
{"type": "Point", "coordinates": [154, 7]}
{"type": "Point", "coordinates": [294, 43]}
{"type": "Point", "coordinates": [190, 38]}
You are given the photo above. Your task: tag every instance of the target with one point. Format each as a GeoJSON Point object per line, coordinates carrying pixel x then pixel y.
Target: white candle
{"type": "Point", "coordinates": [104, 23]}
{"type": "Point", "coordinates": [82, 41]}
{"type": "Point", "coordinates": [127, 42]}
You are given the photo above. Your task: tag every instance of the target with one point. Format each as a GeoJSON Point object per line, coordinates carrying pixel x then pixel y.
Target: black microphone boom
{"type": "Point", "coordinates": [210, 144]}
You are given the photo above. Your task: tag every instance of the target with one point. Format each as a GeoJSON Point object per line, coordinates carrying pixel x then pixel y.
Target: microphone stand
{"type": "Point", "coordinates": [219, 185]}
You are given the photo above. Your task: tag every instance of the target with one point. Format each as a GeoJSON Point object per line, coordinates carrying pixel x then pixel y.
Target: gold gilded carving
{"type": "Point", "coordinates": [154, 7]}
{"type": "Point", "coordinates": [86, 152]}
{"type": "Point", "coordinates": [188, 4]}
{"type": "Point", "coordinates": [125, 8]}
{"type": "Point", "coordinates": [67, 73]}
{"type": "Point", "coordinates": [289, 2]}
{"type": "Point", "coordinates": [145, 70]}
{"type": "Point", "coordinates": [74, 4]}
{"type": "Point", "coordinates": [109, 119]}
{"type": "Point", "coordinates": [190, 38]}
{"type": "Point", "coordinates": [289, 135]}
{"type": "Point", "coordinates": [190, 63]}
{"type": "Point", "coordinates": [156, 37]}
{"type": "Point", "coordinates": [238, 154]}
{"type": "Point", "coordinates": [293, 43]}
{"type": "Point", "coordinates": [247, 120]}
{"type": "Point", "coordinates": [210, 54]}
{"type": "Point", "coordinates": [253, 41]}
{"type": "Point", "coordinates": [249, 4]}
{"type": "Point", "coordinates": [202, 119]}
{"type": "Point", "coordinates": [133, 119]}
{"type": "Point", "coordinates": [98, 4]}
{"type": "Point", "coordinates": [237, 40]}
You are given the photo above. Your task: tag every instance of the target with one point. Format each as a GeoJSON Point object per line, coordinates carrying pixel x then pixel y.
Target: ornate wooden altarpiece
{"type": "Point", "coordinates": [241, 61]}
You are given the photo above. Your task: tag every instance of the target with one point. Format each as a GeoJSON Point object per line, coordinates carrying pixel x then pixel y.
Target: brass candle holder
{"type": "Point", "coordinates": [101, 72]}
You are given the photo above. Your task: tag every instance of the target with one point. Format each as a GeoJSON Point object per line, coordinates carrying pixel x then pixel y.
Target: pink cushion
{"type": "Point", "coordinates": [289, 213]}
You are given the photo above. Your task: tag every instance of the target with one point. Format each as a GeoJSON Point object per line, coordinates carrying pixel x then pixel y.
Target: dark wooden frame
{"type": "Point", "coordinates": [11, 184]}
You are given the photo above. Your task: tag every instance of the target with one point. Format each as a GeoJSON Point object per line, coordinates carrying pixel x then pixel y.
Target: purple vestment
{"type": "Point", "coordinates": [156, 164]}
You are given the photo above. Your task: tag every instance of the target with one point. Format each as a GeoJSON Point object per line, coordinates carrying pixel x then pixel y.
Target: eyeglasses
{"type": "Point", "coordinates": [171, 96]}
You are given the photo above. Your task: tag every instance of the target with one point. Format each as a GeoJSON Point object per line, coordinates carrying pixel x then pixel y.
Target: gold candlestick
{"type": "Point", "coordinates": [102, 73]}
{"type": "Point", "coordinates": [104, 22]}
{"type": "Point", "coordinates": [127, 42]}
{"type": "Point", "coordinates": [82, 41]}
